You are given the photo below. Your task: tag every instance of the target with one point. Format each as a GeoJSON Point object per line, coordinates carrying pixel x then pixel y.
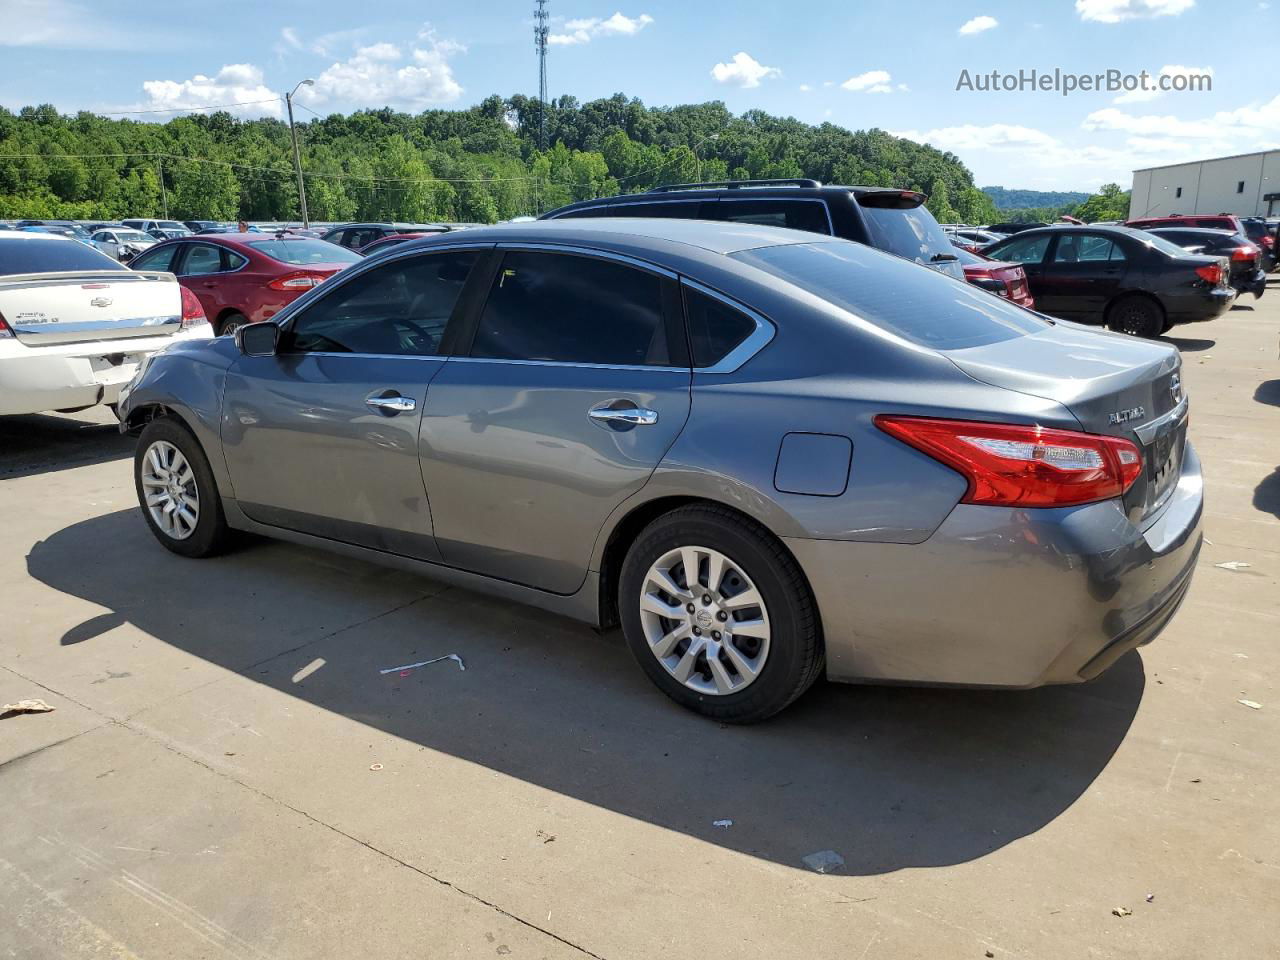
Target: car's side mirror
{"type": "Point", "coordinates": [258, 339]}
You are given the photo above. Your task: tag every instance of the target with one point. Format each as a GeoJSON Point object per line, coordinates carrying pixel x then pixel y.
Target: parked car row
{"type": "Point", "coordinates": [747, 445]}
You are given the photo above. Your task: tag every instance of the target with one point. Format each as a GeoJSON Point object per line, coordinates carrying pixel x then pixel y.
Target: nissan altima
{"type": "Point", "coordinates": [769, 456]}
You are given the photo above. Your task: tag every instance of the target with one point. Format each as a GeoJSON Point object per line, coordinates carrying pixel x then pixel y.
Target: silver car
{"type": "Point", "coordinates": [768, 455]}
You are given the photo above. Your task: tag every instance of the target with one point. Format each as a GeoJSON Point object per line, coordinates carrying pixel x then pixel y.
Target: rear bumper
{"type": "Point", "coordinates": [72, 376]}
{"type": "Point", "coordinates": [1255, 283]}
{"type": "Point", "coordinates": [1001, 597]}
{"type": "Point", "coordinates": [1198, 306]}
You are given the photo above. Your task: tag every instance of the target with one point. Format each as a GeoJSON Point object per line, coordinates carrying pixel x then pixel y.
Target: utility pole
{"type": "Point", "coordinates": [164, 194]}
{"type": "Point", "coordinates": [297, 157]}
{"type": "Point", "coordinates": [540, 31]}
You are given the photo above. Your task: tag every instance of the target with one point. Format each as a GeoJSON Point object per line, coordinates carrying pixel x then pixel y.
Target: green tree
{"type": "Point", "coordinates": [1109, 203]}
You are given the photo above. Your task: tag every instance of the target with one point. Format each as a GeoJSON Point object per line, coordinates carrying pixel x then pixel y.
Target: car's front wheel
{"type": "Point", "coordinates": [176, 490]}
{"type": "Point", "coordinates": [719, 615]}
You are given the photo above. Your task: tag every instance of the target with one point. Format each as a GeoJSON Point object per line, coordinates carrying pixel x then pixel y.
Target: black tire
{"type": "Point", "coordinates": [211, 534]}
{"type": "Point", "coordinates": [230, 322]}
{"type": "Point", "coordinates": [1136, 316]}
{"type": "Point", "coordinates": [795, 659]}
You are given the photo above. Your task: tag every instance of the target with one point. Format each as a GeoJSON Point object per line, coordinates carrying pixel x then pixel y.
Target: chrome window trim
{"type": "Point", "coordinates": [570, 363]}
{"type": "Point", "coordinates": [540, 246]}
{"type": "Point", "coordinates": [826, 208]}
{"type": "Point", "coordinates": [756, 341]}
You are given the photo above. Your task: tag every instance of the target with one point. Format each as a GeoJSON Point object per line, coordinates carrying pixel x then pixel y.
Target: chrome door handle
{"type": "Point", "coordinates": [392, 405]}
{"type": "Point", "coordinates": [632, 415]}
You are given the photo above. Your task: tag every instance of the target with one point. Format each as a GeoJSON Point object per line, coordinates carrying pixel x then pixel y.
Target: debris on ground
{"type": "Point", "coordinates": [27, 706]}
{"type": "Point", "coordinates": [1121, 911]}
{"type": "Point", "coordinates": [1251, 704]}
{"type": "Point", "coordinates": [546, 837]}
{"type": "Point", "coordinates": [1195, 780]}
{"type": "Point", "coordinates": [1233, 565]}
{"type": "Point", "coordinates": [404, 670]}
{"type": "Point", "coordinates": [1150, 897]}
{"type": "Point", "coordinates": [375, 766]}
{"type": "Point", "coordinates": [824, 861]}
{"type": "Point", "coordinates": [989, 953]}
{"type": "Point", "coordinates": [724, 824]}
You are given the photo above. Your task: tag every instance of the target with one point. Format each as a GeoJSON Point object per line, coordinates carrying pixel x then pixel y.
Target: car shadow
{"type": "Point", "coordinates": [45, 443]}
{"type": "Point", "coordinates": [1268, 392]}
{"type": "Point", "coordinates": [1266, 495]}
{"type": "Point", "coordinates": [1189, 344]}
{"type": "Point", "coordinates": [889, 777]}
{"type": "Point", "coordinates": [1242, 306]}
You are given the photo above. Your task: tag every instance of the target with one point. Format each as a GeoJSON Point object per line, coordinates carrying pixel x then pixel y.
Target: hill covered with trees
{"type": "Point", "coordinates": [477, 164]}
{"type": "Point", "coordinates": [1024, 199]}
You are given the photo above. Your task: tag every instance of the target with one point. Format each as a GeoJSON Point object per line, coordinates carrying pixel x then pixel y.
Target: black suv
{"type": "Point", "coordinates": [892, 220]}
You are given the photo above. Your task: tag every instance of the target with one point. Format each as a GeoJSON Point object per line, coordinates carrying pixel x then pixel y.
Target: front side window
{"type": "Point", "coordinates": [572, 309]}
{"type": "Point", "coordinates": [400, 309]}
{"type": "Point", "coordinates": [1021, 249]}
{"type": "Point", "coordinates": [201, 260]}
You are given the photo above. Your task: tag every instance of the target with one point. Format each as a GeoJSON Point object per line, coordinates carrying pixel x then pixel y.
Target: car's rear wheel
{"type": "Point", "coordinates": [231, 323]}
{"type": "Point", "coordinates": [719, 615]}
{"type": "Point", "coordinates": [1136, 316]}
{"type": "Point", "coordinates": [176, 490]}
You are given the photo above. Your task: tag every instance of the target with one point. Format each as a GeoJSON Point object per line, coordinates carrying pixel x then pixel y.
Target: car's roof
{"type": "Point", "coordinates": [766, 192]}
{"type": "Point", "coordinates": [35, 236]}
{"type": "Point", "coordinates": [1082, 228]}
{"type": "Point", "coordinates": [1213, 231]}
{"type": "Point", "coordinates": [633, 233]}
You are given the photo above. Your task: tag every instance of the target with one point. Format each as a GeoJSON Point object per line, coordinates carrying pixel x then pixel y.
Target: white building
{"type": "Point", "coordinates": [1247, 185]}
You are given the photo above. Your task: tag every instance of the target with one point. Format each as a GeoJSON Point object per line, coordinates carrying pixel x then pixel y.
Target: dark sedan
{"type": "Point", "coordinates": [1247, 273]}
{"type": "Point", "coordinates": [1131, 281]}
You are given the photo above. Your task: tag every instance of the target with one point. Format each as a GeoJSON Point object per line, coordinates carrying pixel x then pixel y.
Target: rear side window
{"type": "Point", "coordinates": [570, 309]}
{"type": "Point", "coordinates": [400, 309]}
{"type": "Point", "coordinates": [201, 259]}
{"type": "Point", "coordinates": [671, 210]}
{"type": "Point", "coordinates": [49, 255]}
{"type": "Point", "coordinates": [922, 306]}
{"type": "Point", "coordinates": [715, 328]}
{"type": "Point", "coordinates": [810, 215]}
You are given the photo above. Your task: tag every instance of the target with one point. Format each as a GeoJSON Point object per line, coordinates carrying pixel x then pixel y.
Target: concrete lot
{"type": "Point", "coordinates": [228, 775]}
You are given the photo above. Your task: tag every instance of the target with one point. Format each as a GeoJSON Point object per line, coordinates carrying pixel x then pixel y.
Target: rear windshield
{"type": "Point", "coordinates": [911, 233]}
{"type": "Point", "coordinates": [303, 250]}
{"type": "Point", "coordinates": [47, 256]}
{"type": "Point", "coordinates": [920, 305]}
{"type": "Point", "coordinates": [1162, 244]}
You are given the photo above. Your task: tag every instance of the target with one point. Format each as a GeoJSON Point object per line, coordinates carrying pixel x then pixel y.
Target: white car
{"type": "Point", "coordinates": [75, 324]}
{"type": "Point", "coordinates": [122, 243]}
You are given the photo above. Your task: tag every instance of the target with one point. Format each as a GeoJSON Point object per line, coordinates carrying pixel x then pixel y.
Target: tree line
{"type": "Point", "coordinates": [502, 158]}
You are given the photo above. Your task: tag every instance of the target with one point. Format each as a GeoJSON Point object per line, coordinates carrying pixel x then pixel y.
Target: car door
{"type": "Point", "coordinates": [1082, 274]}
{"type": "Point", "coordinates": [105, 241]}
{"type": "Point", "coordinates": [1030, 251]}
{"type": "Point", "coordinates": [571, 384]}
{"type": "Point", "coordinates": [197, 266]}
{"type": "Point", "coordinates": [322, 437]}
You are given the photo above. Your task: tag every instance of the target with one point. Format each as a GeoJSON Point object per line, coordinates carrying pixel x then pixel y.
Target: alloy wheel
{"type": "Point", "coordinates": [704, 620]}
{"type": "Point", "coordinates": [169, 485]}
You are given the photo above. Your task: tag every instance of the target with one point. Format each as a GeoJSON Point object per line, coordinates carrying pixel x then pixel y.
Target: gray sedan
{"type": "Point", "coordinates": [768, 455]}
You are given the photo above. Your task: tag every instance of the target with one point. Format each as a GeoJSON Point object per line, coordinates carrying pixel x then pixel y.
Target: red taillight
{"type": "Point", "coordinates": [300, 280]}
{"type": "Point", "coordinates": [1212, 274]}
{"type": "Point", "coordinates": [6, 331]}
{"type": "Point", "coordinates": [1024, 466]}
{"type": "Point", "coordinates": [1249, 252]}
{"type": "Point", "coordinates": [192, 311]}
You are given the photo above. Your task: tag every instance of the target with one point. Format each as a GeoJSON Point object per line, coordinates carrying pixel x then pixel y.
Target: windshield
{"type": "Point", "coordinates": [171, 225]}
{"type": "Point", "coordinates": [910, 233]}
{"type": "Point", "coordinates": [303, 250]}
{"type": "Point", "coordinates": [47, 256]}
{"type": "Point", "coordinates": [923, 306]}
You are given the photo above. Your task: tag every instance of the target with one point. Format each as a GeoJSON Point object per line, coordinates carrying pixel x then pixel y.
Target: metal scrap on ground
{"type": "Point", "coordinates": [425, 663]}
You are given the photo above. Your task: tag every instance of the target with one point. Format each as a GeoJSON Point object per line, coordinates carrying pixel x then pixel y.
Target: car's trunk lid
{"type": "Point", "coordinates": [85, 306]}
{"type": "Point", "coordinates": [1112, 384]}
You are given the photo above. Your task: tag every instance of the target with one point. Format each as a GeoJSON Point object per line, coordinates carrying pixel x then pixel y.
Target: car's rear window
{"type": "Point", "coordinates": [910, 233]}
{"type": "Point", "coordinates": [918, 304]}
{"type": "Point", "coordinates": [303, 250]}
{"type": "Point", "coordinates": [47, 256]}
{"type": "Point", "coordinates": [1162, 244]}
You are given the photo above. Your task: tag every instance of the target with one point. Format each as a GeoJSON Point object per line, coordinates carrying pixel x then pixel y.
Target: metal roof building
{"type": "Point", "coordinates": [1247, 184]}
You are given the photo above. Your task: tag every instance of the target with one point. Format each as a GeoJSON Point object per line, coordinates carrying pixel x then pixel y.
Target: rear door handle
{"type": "Point", "coordinates": [392, 404]}
{"type": "Point", "coordinates": [612, 414]}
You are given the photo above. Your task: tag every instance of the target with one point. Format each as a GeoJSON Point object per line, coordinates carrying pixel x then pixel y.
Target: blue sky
{"type": "Point", "coordinates": [885, 64]}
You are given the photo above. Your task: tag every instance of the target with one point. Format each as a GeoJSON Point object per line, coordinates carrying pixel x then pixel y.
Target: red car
{"type": "Point", "coordinates": [1220, 221]}
{"type": "Point", "coordinates": [1005, 279]}
{"type": "Point", "coordinates": [242, 278]}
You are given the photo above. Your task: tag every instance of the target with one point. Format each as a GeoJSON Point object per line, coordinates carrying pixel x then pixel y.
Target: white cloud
{"type": "Point", "coordinates": [382, 74]}
{"type": "Point", "coordinates": [743, 71]}
{"type": "Point", "coordinates": [583, 30]}
{"type": "Point", "coordinates": [235, 83]}
{"type": "Point", "coordinates": [973, 137]}
{"type": "Point", "coordinates": [1114, 11]}
{"type": "Point", "coordinates": [1248, 127]}
{"type": "Point", "coordinates": [904, 88]}
{"type": "Point", "coordinates": [805, 88]}
{"type": "Point", "coordinates": [1169, 70]}
{"type": "Point", "coordinates": [66, 25]}
{"type": "Point", "coordinates": [978, 25]}
{"type": "Point", "coordinates": [873, 81]}
{"type": "Point", "coordinates": [289, 37]}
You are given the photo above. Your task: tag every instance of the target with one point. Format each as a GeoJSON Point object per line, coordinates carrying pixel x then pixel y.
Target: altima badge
{"type": "Point", "coordinates": [1124, 416]}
